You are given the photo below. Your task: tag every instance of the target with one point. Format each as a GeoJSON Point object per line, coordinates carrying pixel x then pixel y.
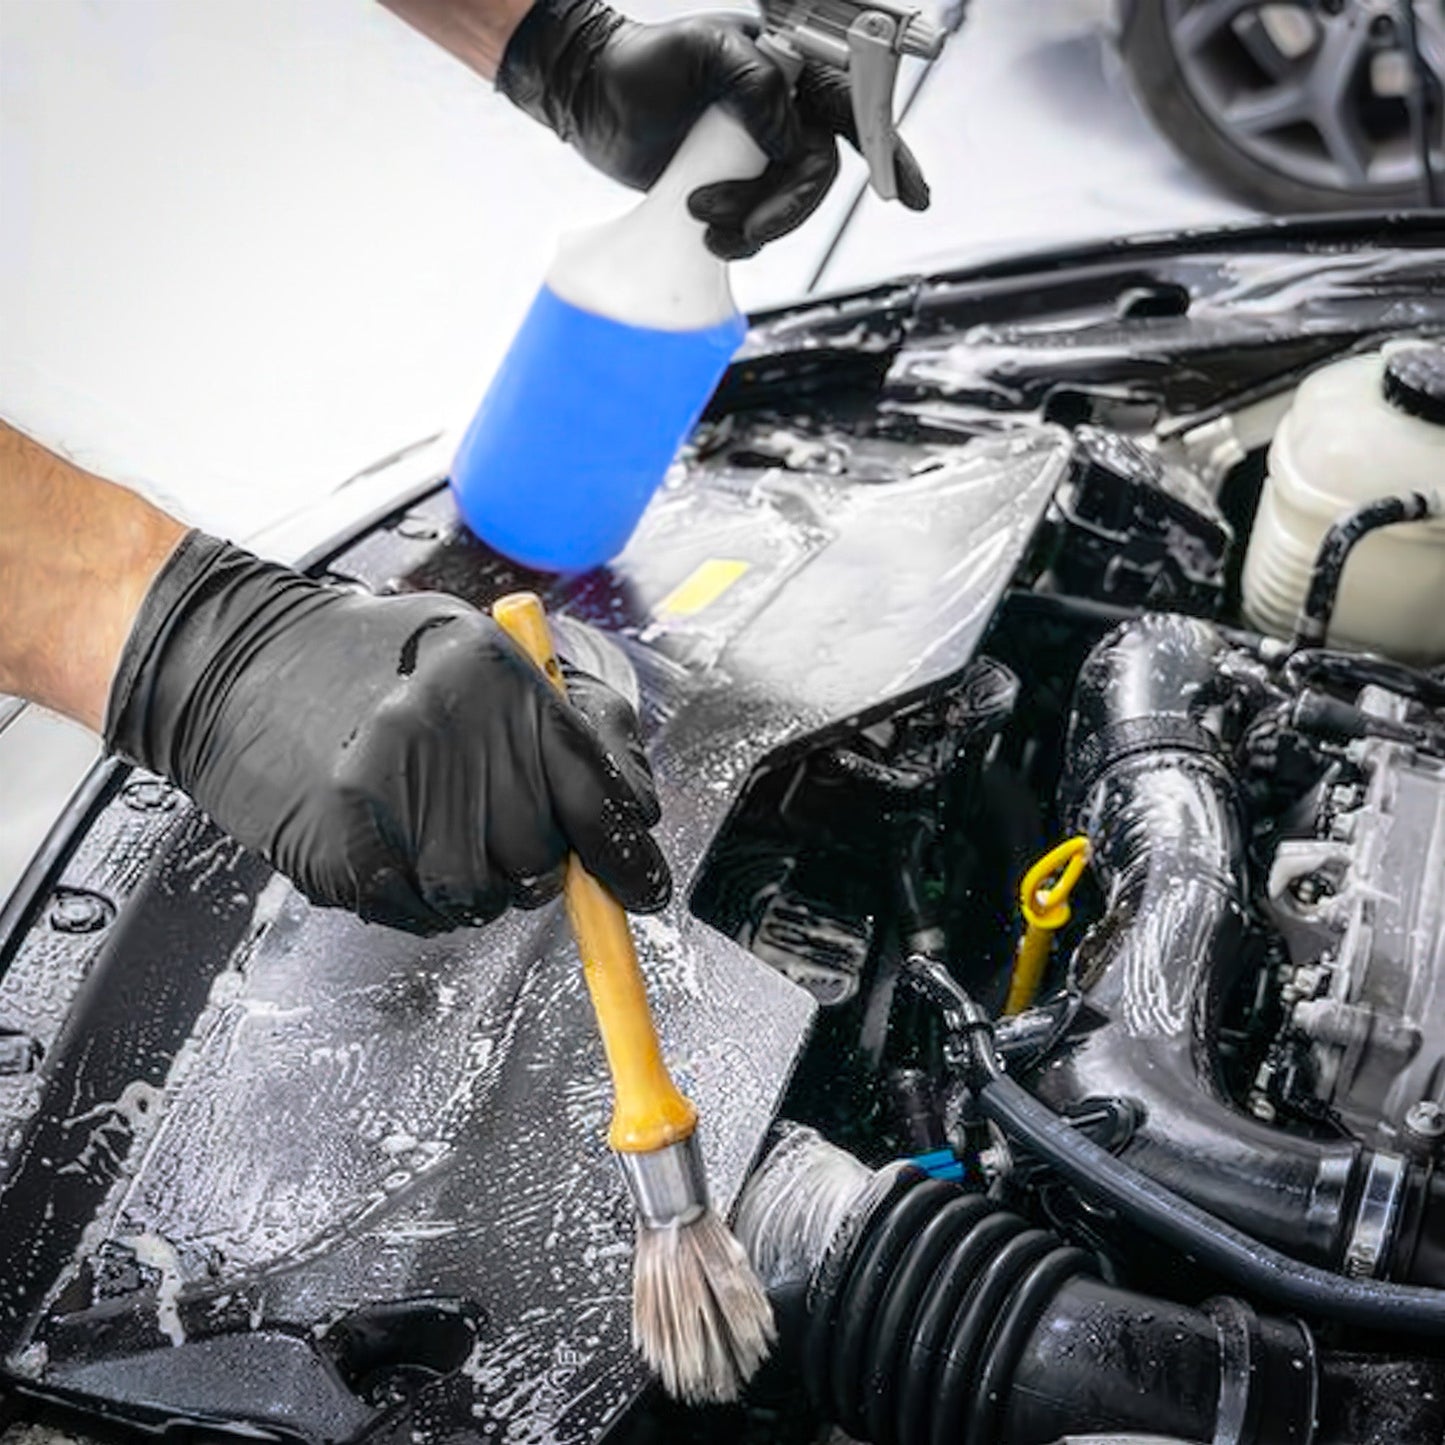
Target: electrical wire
{"type": "Point", "coordinates": [1152, 1207]}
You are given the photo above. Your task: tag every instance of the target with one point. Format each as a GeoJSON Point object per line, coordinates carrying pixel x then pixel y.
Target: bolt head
{"type": "Point", "coordinates": [150, 795]}
{"type": "Point", "coordinates": [417, 529]}
{"type": "Point", "coordinates": [1426, 1120]}
{"type": "Point", "coordinates": [73, 910]}
{"type": "Point", "coordinates": [992, 1161]}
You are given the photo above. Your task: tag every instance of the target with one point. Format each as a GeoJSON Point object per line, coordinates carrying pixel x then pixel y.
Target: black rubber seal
{"type": "Point", "coordinates": [977, 1321]}
{"type": "Point", "coordinates": [956, 1275]}
{"type": "Point", "coordinates": [1043, 1282]}
{"type": "Point", "coordinates": [828, 1286]}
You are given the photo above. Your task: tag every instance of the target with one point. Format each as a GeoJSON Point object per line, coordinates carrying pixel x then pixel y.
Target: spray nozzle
{"type": "Point", "coordinates": [865, 41]}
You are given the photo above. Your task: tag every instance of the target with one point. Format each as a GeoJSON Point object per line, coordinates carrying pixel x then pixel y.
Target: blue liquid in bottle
{"type": "Point", "coordinates": [579, 427]}
{"type": "Point", "coordinates": [614, 363]}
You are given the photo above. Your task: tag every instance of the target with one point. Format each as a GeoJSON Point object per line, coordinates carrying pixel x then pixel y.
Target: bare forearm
{"type": "Point", "coordinates": [475, 31]}
{"type": "Point", "coordinates": [77, 555]}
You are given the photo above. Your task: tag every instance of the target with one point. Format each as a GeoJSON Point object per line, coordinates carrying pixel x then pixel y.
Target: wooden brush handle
{"type": "Point", "coordinates": [649, 1111]}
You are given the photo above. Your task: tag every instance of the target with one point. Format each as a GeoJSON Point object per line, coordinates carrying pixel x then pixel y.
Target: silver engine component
{"type": "Point", "coordinates": [1362, 910]}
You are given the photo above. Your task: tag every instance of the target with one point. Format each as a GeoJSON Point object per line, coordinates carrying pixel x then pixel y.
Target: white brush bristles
{"type": "Point", "coordinates": [700, 1317]}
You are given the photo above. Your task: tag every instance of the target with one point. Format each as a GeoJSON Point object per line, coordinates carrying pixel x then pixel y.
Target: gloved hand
{"type": "Point", "coordinates": [626, 95]}
{"type": "Point", "coordinates": [396, 756]}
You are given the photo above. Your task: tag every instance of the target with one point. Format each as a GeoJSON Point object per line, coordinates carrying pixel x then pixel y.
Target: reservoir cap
{"type": "Point", "coordinates": [1414, 380]}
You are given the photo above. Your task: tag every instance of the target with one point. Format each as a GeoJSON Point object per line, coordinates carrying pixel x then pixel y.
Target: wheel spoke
{"type": "Point", "coordinates": [1337, 63]}
{"type": "Point", "coordinates": [1202, 22]}
{"type": "Point", "coordinates": [1430, 23]}
{"type": "Point", "coordinates": [1346, 143]}
{"type": "Point", "coordinates": [1269, 110]}
{"type": "Point", "coordinates": [1290, 83]}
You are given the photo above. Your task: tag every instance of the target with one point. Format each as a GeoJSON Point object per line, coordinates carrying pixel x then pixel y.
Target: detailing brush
{"type": "Point", "coordinates": [700, 1317]}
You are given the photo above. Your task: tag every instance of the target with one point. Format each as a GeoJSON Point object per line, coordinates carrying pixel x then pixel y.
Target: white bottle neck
{"type": "Point", "coordinates": [651, 267]}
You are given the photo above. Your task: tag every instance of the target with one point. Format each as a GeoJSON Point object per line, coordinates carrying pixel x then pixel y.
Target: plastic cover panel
{"type": "Point", "coordinates": [277, 1166]}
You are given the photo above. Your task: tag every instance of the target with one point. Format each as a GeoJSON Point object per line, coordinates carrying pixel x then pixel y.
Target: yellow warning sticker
{"type": "Point", "coordinates": [701, 588]}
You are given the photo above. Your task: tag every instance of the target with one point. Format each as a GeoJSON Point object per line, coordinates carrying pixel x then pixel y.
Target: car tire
{"type": "Point", "coordinates": [1196, 128]}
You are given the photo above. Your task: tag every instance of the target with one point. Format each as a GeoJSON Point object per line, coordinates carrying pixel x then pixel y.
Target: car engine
{"type": "Point", "coordinates": [1241, 1007]}
{"type": "Point", "coordinates": [1062, 832]}
{"type": "Point", "coordinates": [1354, 899]}
{"type": "Point", "coordinates": [1247, 1018]}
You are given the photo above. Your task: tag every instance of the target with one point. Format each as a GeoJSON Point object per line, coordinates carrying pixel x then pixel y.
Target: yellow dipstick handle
{"type": "Point", "coordinates": [649, 1112]}
{"type": "Point", "coordinates": [1045, 908]}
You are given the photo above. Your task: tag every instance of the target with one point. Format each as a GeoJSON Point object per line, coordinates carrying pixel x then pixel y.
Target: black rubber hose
{"type": "Point", "coordinates": [1335, 549]}
{"type": "Point", "coordinates": [1233, 1255]}
{"type": "Point", "coordinates": [930, 1316]}
{"type": "Point", "coordinates": [1149, 784]}
{"type": "Point", "coordinates": [1356, 669]}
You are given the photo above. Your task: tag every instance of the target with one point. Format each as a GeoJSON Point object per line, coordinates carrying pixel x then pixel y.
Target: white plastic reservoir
{"type": "Point", "coordinates": [1360, 429]}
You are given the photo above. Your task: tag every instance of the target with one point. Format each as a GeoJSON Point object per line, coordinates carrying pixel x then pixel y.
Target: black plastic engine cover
{"type": "Point", "coordinates": [266, 1164]}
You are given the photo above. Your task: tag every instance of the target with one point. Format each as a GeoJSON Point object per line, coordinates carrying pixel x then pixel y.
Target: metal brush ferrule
{"type": "Point", "coordinates": [667, 1185]}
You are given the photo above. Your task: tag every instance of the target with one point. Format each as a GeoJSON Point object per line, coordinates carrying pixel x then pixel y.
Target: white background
{"type": "Point", "coordinates": [249, 246]}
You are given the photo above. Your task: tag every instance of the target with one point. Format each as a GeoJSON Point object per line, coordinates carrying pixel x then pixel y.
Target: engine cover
{"type": "Point", "coordinates": [252, 1140]}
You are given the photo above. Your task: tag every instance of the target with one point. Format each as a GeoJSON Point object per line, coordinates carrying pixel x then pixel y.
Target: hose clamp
{"type": "Point", "coordinates": [1237, 1328]}
{"type": "Point", "coordinates": [1094, 754]}
{"type": "Point", "coordinates": [1378, 1212]}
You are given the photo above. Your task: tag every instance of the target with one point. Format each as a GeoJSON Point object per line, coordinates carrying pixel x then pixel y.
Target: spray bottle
{"type": "Point", "coordinates": [635, 322]}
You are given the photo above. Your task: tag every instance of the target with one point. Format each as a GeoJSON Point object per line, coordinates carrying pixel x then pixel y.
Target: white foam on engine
{"type": "Point", "coordinates": [156, 1253]}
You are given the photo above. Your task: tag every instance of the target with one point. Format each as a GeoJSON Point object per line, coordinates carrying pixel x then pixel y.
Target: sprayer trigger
{"type": "Point", "coordinates": [872, 71]}
{"type": "Point", "coordinates": [863, 40]}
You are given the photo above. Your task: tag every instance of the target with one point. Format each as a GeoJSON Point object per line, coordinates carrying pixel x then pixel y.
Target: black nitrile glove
{"type": "Point", "coordinates": [626, 95]}
{"type": "Point", "coordinates": [743, 216]}
{"type": "Point", "coordinates": [397, 756]}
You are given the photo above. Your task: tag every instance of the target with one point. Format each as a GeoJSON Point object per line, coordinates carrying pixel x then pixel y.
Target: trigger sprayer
{"type": "Point", "coordinates": [635, 322]}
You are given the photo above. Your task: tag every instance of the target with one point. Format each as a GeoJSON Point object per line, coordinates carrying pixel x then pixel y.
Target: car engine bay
{"type": "Point", "coordinates": [962, 582]}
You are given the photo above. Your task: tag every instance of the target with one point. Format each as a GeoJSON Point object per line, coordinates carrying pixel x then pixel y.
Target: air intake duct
{"type": "Point", "coordinates": [926, 1315]}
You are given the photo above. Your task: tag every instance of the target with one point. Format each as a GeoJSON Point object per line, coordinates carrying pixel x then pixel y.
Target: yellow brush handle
{"type": "Point", "coordinates": [649, 1111]}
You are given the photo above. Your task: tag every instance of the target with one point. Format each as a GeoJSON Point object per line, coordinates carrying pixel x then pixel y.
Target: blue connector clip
{"type": "Point", "coordinates": [939, 1164]}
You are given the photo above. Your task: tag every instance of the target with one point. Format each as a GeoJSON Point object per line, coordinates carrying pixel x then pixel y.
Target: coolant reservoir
{"type": "Point", "coordinates": [1359, 429]}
